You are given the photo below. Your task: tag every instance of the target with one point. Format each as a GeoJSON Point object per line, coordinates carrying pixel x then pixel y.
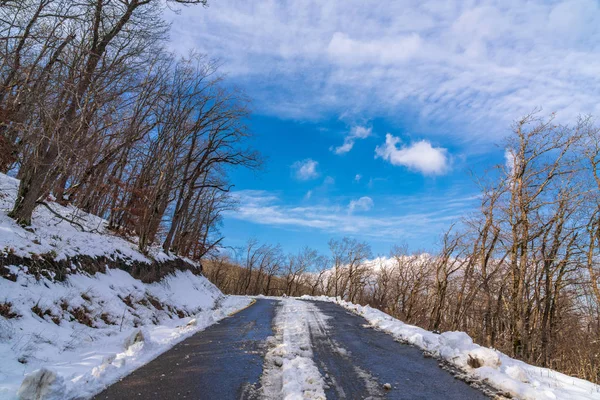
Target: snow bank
{"type": "Point", "coordinates": [521, 380]}
{"type": "Point", "coordinates": [55, 353]}
{"type": "Point", "coordinates": [290, 372]}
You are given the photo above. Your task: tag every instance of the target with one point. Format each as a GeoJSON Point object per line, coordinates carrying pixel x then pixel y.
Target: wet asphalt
{"type": "Point", "coordinates": [222, 362]}
{"type": "Point", "coordinates": [225, 361]}
{"type": "Point", "coordinates": [357, 362]}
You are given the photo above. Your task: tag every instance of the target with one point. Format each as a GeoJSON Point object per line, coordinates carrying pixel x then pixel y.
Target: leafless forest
{"type": "Point", "coordinates": [95, 112]}
{"type": "Point", "coordinates": [520, 274]}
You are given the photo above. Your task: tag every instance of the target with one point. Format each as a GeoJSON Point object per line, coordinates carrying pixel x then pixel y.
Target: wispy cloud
{"type": "Point", "coordinates": [365, 203]}
{"type": "Point", "coordinates": [305, 170]}
{"type": "Point", "coordinates": [477, 64]}
{"type": "Point", "coordinates": [420, 156]}
{"type": "Point", "coordinates": [265, 208]}
{"type": "Point", "coordinates": [356, 133]}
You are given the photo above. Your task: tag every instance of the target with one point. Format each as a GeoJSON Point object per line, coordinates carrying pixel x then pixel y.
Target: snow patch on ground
{"type": "Point", "coordinates": [521, 380]}
{"type": "Point", "coordinates": [50, 235]}
{"type": "Point", "coordinates": [290, 372]}
{"type": "Point", "coordinates": [57, 354]}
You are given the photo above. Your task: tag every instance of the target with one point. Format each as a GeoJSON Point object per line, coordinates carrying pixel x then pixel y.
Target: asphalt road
{"type": "Point", "coordinates": [225, 362]}
{"type": "Point", "coordinates": [222, 362]}
{"type": "Point", "coordinates": [358, 361]}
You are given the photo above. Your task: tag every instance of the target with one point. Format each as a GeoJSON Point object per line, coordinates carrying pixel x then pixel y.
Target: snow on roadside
{"type": "Point", "coordinates": [90, 331]}
{"type": "Point", "coordinates": [290, 372]}
{"type": "Point", "coordinates": [512, 376]}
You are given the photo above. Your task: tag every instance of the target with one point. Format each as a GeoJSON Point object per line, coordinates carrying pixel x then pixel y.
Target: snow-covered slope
{"type": "Point", "coordinates": [520, 380]}
{"type": "Point", "coordinates": [92, 330]}
{"type": "Point", "coordinates": [50, 235]}
{"type": "Point", "coordinates": [68, 338]}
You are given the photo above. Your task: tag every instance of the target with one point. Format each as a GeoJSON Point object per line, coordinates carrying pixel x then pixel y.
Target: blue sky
{"type": "Point", "coordinates": [372, 115]}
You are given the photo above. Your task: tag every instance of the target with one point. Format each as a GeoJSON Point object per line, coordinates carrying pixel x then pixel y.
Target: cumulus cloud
{"type": "Point", "coordinates": [363, 204]}
{"type": "Point", "coordinates": [305, 170]}
{"type": "Point", "coordinates": [356, 133]}
{"type": "Point", "coordinates": [419, 156]}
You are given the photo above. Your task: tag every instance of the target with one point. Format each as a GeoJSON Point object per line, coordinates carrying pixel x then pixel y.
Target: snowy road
{"type": "Point", "coordinates": [359, 361]}
{"type": "Point", "coordinates": [316, 349]}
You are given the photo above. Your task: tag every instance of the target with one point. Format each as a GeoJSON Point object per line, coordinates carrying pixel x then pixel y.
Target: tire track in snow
{"type": "Point", "coordinates": [289, 371]}
{"type": "Point", "coordinates": [344, 379]}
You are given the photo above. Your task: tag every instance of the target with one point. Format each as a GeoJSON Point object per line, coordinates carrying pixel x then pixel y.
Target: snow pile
{"type": "Point", "coordinates": [73, 338]}
{"type": "Point", "coordinates": [290, 372]}
{"type": "Point", "coordinates": [515, 377]}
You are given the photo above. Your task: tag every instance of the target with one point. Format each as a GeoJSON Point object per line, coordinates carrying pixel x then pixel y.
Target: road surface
{"type": "Point", "coordinates": [225, 361]}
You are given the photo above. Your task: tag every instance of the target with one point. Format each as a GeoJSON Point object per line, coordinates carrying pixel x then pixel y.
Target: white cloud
{"type": "Point", "coordinates": [479, 65]}
{"type": "Point", "coordinates": [385, 51]}
{"type": "Point", "coordinates": [357, 132]}
{"type": "Point", "coordinates": [419, 156]}
{"type": "Point", "coordinates": [509, 161]}
{"type": "Point", "coordinates": [426, 215]}
{"type": "Point", "coordinates": [308, 195]}
{"type": "Point", "coordinates": [363, 204]}
{"type": "Point", "coordinates": [357, 178]}
{"type": "Point", "coordinates": [305, 170]}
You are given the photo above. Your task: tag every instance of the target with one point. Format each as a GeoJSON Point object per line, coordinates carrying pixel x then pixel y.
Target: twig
{"type": "Point", "coordinates": [61, 216]}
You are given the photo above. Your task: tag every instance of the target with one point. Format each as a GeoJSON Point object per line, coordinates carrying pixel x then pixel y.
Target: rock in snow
{"type": "Point", "coordinates": [42, 384]}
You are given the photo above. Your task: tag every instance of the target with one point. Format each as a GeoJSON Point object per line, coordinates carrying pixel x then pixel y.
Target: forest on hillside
{"type": "Point", "coordinates": [520, 274]}
{"type": "Point", "coordinates": [97, 113]}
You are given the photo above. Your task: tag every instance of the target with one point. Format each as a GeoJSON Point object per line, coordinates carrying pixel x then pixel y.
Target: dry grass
{"type": "Point", "coordinates": [81, 315]}
{"type": "Point", "coordinates": [36, 309]}
{"type": "Point", "coordinates": [474, 362]}
{"type": "Point", "coordinates": [128, 300]}
{"type": "Point", "coordinates": [6, 310]}
{"type": "Point", "coordinates": [155, 302]}
{"type": "Point", "coordinates": [107, 319]}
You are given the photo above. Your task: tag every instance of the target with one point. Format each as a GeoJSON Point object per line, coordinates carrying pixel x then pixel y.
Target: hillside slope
{"type": "Point", "coordinates": [73, 319]}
